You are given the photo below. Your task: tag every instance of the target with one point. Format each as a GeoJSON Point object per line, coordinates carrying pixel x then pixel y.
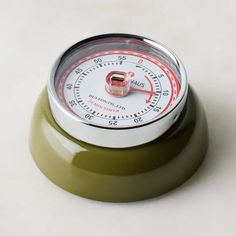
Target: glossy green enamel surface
{"type": "Point", "coordinates": [119, 175]}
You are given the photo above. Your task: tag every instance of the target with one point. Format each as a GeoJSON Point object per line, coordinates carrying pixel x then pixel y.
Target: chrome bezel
{"type": "Point", "coordinates": [117, 137]}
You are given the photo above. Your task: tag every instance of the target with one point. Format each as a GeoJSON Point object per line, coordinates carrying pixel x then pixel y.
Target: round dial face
{"type": "Point", "coordinates": [118, 88]}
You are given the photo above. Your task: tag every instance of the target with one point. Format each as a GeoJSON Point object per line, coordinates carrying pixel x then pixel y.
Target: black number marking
{"type": "Point", "coordinates": [121, 58]}
{"type": "Point", "coordinates": [69, 86]}
{"type": "Point", "coordinates": [73, 103]}
{"type": "Point", "coordinates": [78, 70]}
{"type": "Point", "coordinates": [156, 109]}
{"type": "Point", "coordinates": [165, 93]}
{"type": "Point", "coordinates": [113, 122]}
{"type": "Point", "coordinates": [88, 116]}
{"type": "Point", "coordinates": [97, 60]}
{"type": "Point", "coordinates": [138, 120]}
{"type": "Point", "coordinates": [160, 76]}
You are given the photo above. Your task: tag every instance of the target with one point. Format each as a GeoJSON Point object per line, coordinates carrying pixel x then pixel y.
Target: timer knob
{"type": "Point", "coordinates": [118, 83]}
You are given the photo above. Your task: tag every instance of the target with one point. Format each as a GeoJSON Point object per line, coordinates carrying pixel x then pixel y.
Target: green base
{"type": "Point", "coordinates": [119, 175]}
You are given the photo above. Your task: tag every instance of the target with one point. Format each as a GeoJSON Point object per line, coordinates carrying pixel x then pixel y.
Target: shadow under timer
{"type": "Point", "coordinates": [118, 121]}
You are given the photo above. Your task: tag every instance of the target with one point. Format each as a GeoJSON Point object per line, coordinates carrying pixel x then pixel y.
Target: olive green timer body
{"type": "Point", "coordinates": [118, 121]}
{"type": "Point", "coordinates": [119, 175]}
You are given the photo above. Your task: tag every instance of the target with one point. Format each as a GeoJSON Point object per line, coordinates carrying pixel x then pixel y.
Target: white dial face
{"type": "Point", "coordinates": [152, 88]}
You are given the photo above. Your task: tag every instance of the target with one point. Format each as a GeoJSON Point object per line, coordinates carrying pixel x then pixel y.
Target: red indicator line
{"type": "Point", "coordinates": [151, 86]}
{"type": "Point", "coordinates": [144, 91]}
{"type": "Point", "coordinates": [150, 92]}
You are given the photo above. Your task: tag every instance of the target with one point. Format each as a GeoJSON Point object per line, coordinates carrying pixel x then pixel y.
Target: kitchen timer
{"type": "Point", "coordinates": [118, 121]}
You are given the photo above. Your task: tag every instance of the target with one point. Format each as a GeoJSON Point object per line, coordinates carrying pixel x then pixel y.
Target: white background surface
{"type": "Point", "coordinates": [33, 33]}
